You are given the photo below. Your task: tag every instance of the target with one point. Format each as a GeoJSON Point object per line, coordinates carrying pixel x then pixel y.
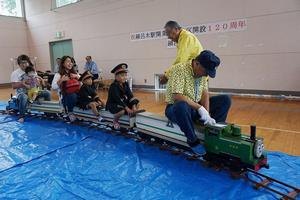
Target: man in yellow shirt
{"type": "Point", "coordinates": [188, 45]}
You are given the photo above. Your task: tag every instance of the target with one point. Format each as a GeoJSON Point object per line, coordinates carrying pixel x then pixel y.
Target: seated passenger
{"type": "Point", "coordinates": [32, 82]}
{"type": "Point", "coordinates": [67, 84]}
{"type": "Point", "coordinates": [120, 98]}
{"type": "Point", "coordinates": [87, 95]}
{"type": "Point", "coordinates": [188, 98]}
{"type": "Point", "coordinates": [91, 66]}
{"type": "Point", "coordinates": [21, 92]}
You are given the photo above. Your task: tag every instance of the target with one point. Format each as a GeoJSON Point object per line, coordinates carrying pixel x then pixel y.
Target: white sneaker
{"type": "Point", "coordinates": [100, 119]}
{"type": "Point", "coordinates": [116, 126]}
{"type": "Point", "coordinates": [71, 117]}
{"type": "Point", "coordinates": [21, 120]}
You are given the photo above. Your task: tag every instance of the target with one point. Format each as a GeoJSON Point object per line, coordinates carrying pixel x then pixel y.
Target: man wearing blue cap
{"type": "Point", "coordinates": [188, 99]}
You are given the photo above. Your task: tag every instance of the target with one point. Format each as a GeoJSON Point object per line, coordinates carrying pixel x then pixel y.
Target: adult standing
{"type": "Point", "coordinates": [188, 45]}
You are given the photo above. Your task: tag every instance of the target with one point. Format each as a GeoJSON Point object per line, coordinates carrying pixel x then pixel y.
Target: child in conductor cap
{"type": "Point", "coordinates": [120, 98]}
{"type": "Point", "coordinates": [88, 97]}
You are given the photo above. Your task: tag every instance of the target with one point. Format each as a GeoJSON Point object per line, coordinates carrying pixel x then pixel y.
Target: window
{"type": "Point", "coordinates": [60, 3]}
{"type": "Point", "coordinates": [11, 8]}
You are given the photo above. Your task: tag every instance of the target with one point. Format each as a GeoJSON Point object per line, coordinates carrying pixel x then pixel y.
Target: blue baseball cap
{"type": "Point", "coordinates": [209, 61]}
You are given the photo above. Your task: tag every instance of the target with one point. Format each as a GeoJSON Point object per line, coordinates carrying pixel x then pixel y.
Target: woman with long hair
{"type": "Point", "coordinates": [67, 84]}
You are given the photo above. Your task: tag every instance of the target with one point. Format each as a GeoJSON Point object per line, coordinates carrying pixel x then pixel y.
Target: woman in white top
{"type": "Point", "coordinates": [67, 84]}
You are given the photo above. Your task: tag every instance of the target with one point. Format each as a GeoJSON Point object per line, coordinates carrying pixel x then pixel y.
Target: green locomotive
{"type": "Point", "coordinates": [227, 144]}
{"type": "Point", "coordinates": [224, 143]}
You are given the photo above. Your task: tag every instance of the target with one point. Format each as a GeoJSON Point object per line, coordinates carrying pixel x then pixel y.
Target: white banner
{"type": "Point", "coordinates": [216, 27]}
{"type": "Point", "coordinates": [148, 35]}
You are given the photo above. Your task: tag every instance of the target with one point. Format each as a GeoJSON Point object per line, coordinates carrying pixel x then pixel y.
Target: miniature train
{"type": "Point", "coordinates": [223, 142]}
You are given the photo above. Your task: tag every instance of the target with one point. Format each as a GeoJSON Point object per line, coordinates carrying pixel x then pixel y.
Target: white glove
{"type": "Point", "coordinates": [211, 121]}
{"type": "Point", "coordinates": [204, 115]}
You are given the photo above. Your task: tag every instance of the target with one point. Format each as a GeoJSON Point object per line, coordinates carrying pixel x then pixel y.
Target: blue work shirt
{"type": "Point", "coordinates": [92, 67]}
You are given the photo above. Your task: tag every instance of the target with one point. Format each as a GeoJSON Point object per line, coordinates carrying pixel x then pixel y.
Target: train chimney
{"type": "Point", "coordinates": [253, 132]}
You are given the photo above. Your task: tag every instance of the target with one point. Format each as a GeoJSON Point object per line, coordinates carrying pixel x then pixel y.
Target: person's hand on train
{"type": "Point", "coordinates": [129, 111]}
{"type": "Point", "coordinates": [211, 121]}
{"type": "Point", "coordinates": [205, 117]}
{"type": "Point", "coordinates": [134, 108]}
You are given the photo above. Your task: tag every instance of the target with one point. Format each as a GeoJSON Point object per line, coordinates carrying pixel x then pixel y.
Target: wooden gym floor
{"type": "Point", "coordinates": [278, 121]}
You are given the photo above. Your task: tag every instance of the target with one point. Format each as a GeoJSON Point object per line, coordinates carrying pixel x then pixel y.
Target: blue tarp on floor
{"type": "Point", "coordinates": [42, 159]}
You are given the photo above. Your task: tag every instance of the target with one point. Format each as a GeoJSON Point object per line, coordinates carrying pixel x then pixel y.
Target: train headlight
{"type": "Point", "coordinates": [258, 148]}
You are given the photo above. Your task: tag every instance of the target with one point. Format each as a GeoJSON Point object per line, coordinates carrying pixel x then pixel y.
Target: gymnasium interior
{"type": "Point", "coordinates": [50, 155]}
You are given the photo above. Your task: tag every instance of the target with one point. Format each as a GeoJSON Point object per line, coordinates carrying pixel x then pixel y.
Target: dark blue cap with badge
{"type": "Point", "coordinates": [209, 61]}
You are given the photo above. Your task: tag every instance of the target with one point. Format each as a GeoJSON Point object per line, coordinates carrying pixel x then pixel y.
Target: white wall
{"type": "Point", "coordinates": [13, 42]}
{"type": "Point", "coordinates": [264, 57]}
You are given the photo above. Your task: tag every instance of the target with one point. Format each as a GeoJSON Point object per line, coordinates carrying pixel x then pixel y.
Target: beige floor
{"type": "Point", "coordinates": [278, 121]}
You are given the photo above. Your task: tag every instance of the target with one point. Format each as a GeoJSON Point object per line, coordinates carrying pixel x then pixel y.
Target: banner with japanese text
{"type": "Point", "coordinates": [209, 28]}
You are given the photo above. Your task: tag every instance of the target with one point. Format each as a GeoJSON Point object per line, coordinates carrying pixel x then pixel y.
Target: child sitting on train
{"type": "Point", "coordinates": [87, 96]}
{"type": "Point", "coordinates": [32, 82]}
{"type": "Point", "coordinates": [120, 98]}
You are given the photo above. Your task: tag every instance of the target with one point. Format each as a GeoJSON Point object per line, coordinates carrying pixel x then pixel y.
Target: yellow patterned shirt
{"type": "Point", "coordinates": [182, 81]}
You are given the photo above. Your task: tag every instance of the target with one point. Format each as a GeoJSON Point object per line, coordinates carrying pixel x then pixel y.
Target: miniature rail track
{"type": "Point", "coordinates": [265, 183]}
